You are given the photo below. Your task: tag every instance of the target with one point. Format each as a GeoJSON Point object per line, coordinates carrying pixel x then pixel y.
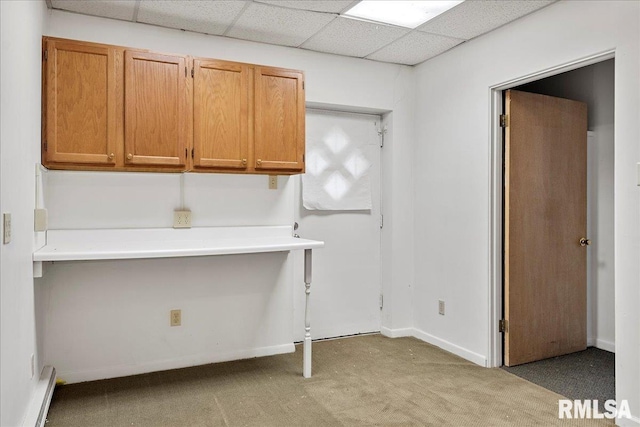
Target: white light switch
{"type": "Point", "coordinates": [6, 227]}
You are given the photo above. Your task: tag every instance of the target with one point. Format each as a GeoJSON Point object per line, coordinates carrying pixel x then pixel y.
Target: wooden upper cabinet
{"type": "Point", "coordinates": [279, 119]}
{"type": "Point", "coordinates": [156, 110]}
{"type": "Point", "coordinates": [114, 108]}
{"type": "Point", "coordinates": [80, 109]}
{"type": "Point", "coordinates": [220, 114]}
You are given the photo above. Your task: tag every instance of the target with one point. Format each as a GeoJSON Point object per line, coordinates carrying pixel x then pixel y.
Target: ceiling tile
{"type": "Point", "coordinates": [210, 17]}
{"type": "Point", "coordinates": [414, 48]}
{"type": "Point", "coordinates": [276, 25]}
{"type": "Point", "coordinates": [352, 37]}
{"type": "Point", "coordinates": [116, 9]}
{"type": "Point", "coordinates": [330, 6]}
{"type": "Point", "coordinates": [474, 17]}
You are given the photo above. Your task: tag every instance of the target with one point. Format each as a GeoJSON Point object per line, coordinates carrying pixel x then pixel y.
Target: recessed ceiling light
{"type": "Point", "coordinates": [407, 14]}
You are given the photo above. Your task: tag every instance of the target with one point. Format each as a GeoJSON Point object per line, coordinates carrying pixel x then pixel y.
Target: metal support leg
{"type": "Point", "coordinates": [306, 351]}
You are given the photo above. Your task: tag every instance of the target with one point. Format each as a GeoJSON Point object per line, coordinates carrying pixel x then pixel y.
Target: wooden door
{"type": "Point", "coordinates": [279, 119]}
{"type": "Point", "coordinates": [220, 115]}
{"type": "Point", "coordinates": [545, 218]}
{"type": "Point", "coordinates": [156, 109]}
{"type": "Point", "coordinates": [80, 97]}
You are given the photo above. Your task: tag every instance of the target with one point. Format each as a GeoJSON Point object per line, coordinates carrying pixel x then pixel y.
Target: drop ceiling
{"type": "Point", "coordinates": [315, 25]}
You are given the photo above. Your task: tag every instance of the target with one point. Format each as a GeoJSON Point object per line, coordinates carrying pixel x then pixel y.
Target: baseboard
{"type": "Point", "coordinates": [628, 422]}
{"type": "Point", "coordinates": [37, 412]}
{"type": "Point", "coordinates": [605, 345]}
{"type": "Point", "coordinates": [471, 356]}
{"type": "Point", "coordinates": [164, 365]}
{"type": "Point", "coordinates": [397, 333]}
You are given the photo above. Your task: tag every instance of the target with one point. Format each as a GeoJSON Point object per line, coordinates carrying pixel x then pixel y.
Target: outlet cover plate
{"type": "Point", "coordinates": [273, 182]}
{"type": "Point", "coordinates": [182, 219]}
{"type": "Point", "coordinates": [6, 228]}
{"type": "Point", "coordinates": [441, 307]}
{"type": "Point", "coordinates": [176, 317]}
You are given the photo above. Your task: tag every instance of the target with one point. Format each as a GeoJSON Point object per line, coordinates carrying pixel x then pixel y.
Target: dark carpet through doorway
{"type": "Point", "coordinates": [588, 374]}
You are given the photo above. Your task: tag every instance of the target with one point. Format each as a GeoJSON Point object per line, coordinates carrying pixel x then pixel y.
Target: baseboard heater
{"type": "Point", "coordinates": [37, 413]}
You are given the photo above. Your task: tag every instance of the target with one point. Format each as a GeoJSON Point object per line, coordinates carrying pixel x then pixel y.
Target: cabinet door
{"type": "Point", "coordinates": [220, 108]}
{"type": "Point", "coordinates": [80, 98]}
{"type": "Point", "coordinates": [155, 109]}
{"type": "Point", "coordinates": [279, 119]}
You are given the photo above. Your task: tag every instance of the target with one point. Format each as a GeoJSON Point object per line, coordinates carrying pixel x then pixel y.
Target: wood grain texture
{"type": "Point", "coordinates": [80, 103]}
{"type": "Point", "coordinates": [545, 217]}
{"type": "Point", "coordinates": [279, 119]}
{"type": "Point", "coordinates": [220, 114]}
{"type": "Point", "coordinates": [155, 109]}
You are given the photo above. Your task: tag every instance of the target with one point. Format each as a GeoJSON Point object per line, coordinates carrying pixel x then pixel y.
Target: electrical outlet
{"type": "Point", "coordinates": [6, 227]}
{"type": "Point", "coordinates": [441, 307]}
{"type": "Point", "coordinates": [273, 182]}
{"type": "Point", "coordinates": [182, 219]}
{"type": "Point", "coordinates": [176, 317]}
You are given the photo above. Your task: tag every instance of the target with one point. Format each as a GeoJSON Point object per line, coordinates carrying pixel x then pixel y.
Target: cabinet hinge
{"type": "Point", "coordinates": [46, 54]}
{"type": "Point", "coordinates": [185, 71]}
{"type": "Point", "coordinates": [504, 120]}
{"type": "Point", "coordinates": [192, 153]}
{"type": "Point", "coordinates": [381, 220]}
{"type": "Point", "coordinates": [303, 85]}
{"type": "Point", "coordinates": [303, 158]}
{"type": "Point", "coordinates": [381, 301]}
{"type": "Point", "coordinates": [503, 325]}
{"type": "Point", "coordinates": [45, 146]}
{"type": "Point", "coordinates": [186, 153]}
{"type": "Point", "coordinates": [192, 73]}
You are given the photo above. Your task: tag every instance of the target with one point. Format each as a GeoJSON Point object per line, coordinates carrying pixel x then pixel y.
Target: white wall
{"type": "Point", "coordinates": [21, 26]}
{"type": "Point", "coordinates": [453, 167]}
{"type": "Point", "coordinates": [104, 200]}
{"type": "Point", "coordinates": [594, 85]}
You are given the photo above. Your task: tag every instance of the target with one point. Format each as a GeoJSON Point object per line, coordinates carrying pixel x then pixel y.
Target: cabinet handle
{"type": "Point", "coordinates": [129, 156]}
{"type": "Point", "coordinates": [259, 162]}
{"type": "Point", "coordinates": [110, 156]}
{"type": "Point", "coordinates": [244, 162]}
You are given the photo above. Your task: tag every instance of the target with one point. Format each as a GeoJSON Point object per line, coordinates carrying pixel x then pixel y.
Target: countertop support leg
{"type": "Point", "coordinates": [306, 370]}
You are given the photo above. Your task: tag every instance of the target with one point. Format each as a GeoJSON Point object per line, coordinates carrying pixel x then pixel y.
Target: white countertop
{"type": "Point", "coordinates": [82, 245]}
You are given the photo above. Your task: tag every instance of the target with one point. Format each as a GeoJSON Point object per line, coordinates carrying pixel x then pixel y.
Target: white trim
{"type": "Point", "coordinates": [126, 370]}
{"type": "Point", "coordinates": [39, 407]}
{"type": "Point", "coordinates": [494, 344]}
{"type": "Point", "coordinates": [469, 355]}
{"type": "Point", "coordinates": [605, 345]}
{"type": "Point", "coordinates": [397, 333]}
{"type": "Point", "coordinates": [628, 422]}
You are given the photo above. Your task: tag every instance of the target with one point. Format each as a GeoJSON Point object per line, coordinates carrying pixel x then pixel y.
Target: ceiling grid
{"type": "Point", "coordinates": [315, 24]}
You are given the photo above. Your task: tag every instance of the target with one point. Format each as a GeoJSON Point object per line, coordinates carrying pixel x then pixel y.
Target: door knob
{"type": "Point", "coordinates": [585, 242]}
{"type": "Point", "coordinates": [110, 156]}
{"type": "Point", "coordinates": [129, 156]}
{"type": "Point", "coordinates": [244, 162]}
{"type": "Point", "coordinates": [259, 162]}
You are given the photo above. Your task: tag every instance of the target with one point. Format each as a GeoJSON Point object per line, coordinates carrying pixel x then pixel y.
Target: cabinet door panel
{"type": "Point", "coordinates": [279, 119]}
{"type": "Point", "coordinates": [221, 93]}
{"type": "Point", "coordinates": [155, 109]}
{"type": "Point", "coordinates": [81, 102]}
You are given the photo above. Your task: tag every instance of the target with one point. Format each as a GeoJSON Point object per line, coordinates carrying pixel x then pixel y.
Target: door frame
{"type": "Point", "coordinates": [495, 294]}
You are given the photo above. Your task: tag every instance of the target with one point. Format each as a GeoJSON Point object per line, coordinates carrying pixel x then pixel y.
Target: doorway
{"type": "Point", "coordinates": [594, 85]}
